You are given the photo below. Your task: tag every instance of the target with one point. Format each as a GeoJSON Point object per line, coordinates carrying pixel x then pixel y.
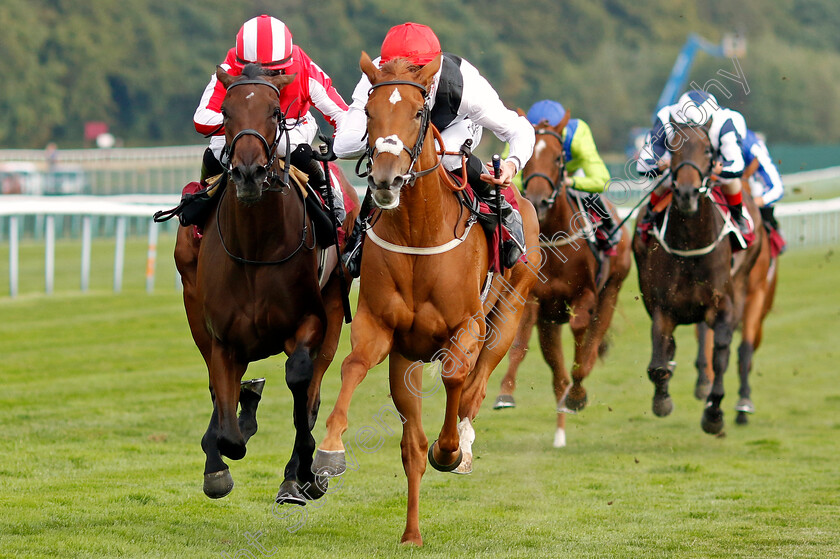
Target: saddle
{"type": "Point", "coordinates": [197, 203]}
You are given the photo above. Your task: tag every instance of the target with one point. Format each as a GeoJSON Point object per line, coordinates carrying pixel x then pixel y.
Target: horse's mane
{"type": "Point", "coordinates": [253, 71]}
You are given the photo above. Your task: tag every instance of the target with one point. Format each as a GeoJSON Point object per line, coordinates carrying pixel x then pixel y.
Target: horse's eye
{"type": "Point", "coordinates": [224, 113]}
{"type": "Point", "coordinates": [277, 113]}
{"type": "Point", "coordinates": [419, 114]}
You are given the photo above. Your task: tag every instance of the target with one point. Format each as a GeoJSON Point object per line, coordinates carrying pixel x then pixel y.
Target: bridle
{"type": "Point", "coordinates": [555, 184]}
{"type": "Point", "coordinates": [704, 175]}
{"type": "Point", "coordinates": [371, 153]}
{"type": "Point", "coordinates": [270, 150]}
{"type": "Point", "coordinates": [270, 179]}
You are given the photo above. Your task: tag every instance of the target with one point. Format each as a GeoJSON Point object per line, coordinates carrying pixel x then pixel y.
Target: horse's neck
{"type": "Point", "coordinates": [260, 231]}
{"type": "Point", "coordinates": [694, 231]}
{"type": "Point", "coordinates": [560, 217]}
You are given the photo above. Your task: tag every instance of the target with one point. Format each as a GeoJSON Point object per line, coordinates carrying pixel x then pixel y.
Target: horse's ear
{"type": "Point", "coordinates": [223, 77]}
{"type": "Point", "coordinates": [281, 80]}
{"type": "Point", "coordinates": [562, 124]}
{"type": "Point", "coordinates": [428, 71]}
{"type": "Point", "coordinates": [368, 67]}
{"type": "Point", "coordinates": [520, 112]}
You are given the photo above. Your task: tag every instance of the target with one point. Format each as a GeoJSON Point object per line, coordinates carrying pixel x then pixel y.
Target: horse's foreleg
{"type": "Point", "coordinates": [753, 316]}
{"type": "Point", "coordinates": [335, 318]}
{"type": "Point", "coordinates": [551, 345]}
{"type": "Point", "coordinates": [582, 321]}
{"type": "Point", "coordinates": [371, 343]}
{"type": "Point", "coordinates": [458, 359]}
{"type": "Point", "coordinates": [404, 374]}
{"type": "Point", "coordinates": [660, 368]}
{"type": "Point", "coordinates": [723, 328]}
{"type": "Point", "coordinates": [299, 372]}
{"type": "Point", "coordinates": [225, 377]}
{"type": "Point", "coordinates": [703, 363]}
{"type": "Point", "coordinates": [516, 355]}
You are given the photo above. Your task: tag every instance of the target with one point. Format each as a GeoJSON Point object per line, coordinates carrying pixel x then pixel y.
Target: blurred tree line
{"type": "Point", "coordinates": [141, 65]}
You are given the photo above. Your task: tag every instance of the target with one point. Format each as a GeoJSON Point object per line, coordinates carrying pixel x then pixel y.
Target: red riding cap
{"type": "Point", "coordinates": [412, 41]}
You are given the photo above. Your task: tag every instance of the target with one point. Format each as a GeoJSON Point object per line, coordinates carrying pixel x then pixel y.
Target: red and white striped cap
{"type": "Point", "coordinates": [264, 40]}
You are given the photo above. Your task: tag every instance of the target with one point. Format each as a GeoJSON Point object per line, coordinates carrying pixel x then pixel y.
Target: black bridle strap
{"type": "Point", "coordinates": [255, 82]}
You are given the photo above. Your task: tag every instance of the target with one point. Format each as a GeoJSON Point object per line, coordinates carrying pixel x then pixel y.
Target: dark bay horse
{"type": "Point", "coordinates": [761, 291]}
{"type": "Point", "coordinates": [420, 297]}
{"type": "Point", "coordinates": [251, 289]}
{"type": "Point", "coordinates": [688, 273]}
{"type": "Point", "coordinates": [571, 293]}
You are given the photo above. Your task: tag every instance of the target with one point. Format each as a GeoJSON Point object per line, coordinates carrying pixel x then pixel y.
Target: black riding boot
{"type": "Point", "coordinates": [512, 249]}
{"type": "Point", "coordinates": [210, 167]}
{"type": "Point", "coordinates": [740, 220]}
{"type": "Point", "coordinates": [352, 256]}
{"type": "Point", "coordinates": [606, 237]}
{"type": "Point", "coordinates": [302, 158]}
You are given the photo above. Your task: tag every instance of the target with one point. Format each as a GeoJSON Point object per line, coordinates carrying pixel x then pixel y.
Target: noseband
{"type": "Point", "coordinates": [414, 153]}
{"type": "Point", "coordinates": [270, 150]}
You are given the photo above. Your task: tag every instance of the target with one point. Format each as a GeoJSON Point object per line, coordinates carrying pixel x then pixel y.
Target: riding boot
{"type": "Point", "coordinates": [737, 212]}
{"type": "Point", "coordinates": [606, 238]}
{"type": "Point", "coordinates": [352, 255]}
{"type": "Point", "coordinates": [303, 158]}
{"type": "Point", "coordinates": [512, 249]}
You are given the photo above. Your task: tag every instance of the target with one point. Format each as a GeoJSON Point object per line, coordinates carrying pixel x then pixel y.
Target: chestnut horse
{"type": "Point", "coordinates": [420, 297]}
{"type": "Point", "coordinates": [688, 273]}
{"type": "Point", "coordinates": [571, 294]}
{"type": "Point", "coordinates": [251, 289]}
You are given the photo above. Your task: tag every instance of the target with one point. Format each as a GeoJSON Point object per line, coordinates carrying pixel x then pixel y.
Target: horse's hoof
{"type": "Point", "coordinates": [663, 405]}
{"type": "Point", "coordinates": [235, 450]}
{"type": "Point", "coordinates": [504, 401]}
{"type": "Point", "coordinates": [742, 418]}
{"type": "Point", "coordinates": [702, 390]}
{"type": "Point", "coordinates": [254, 385]}
{"type": "Point", "coordinates": [315, 489]}
{"type": "Point", "coordinates": [712, 422]}
{"type": "Point", "coordinates": [465, 467]}
{"type": "Point", "coordinates": [289, 494]}
{"type": "Point", "coordinates": [329, 463]}
{"type": "Point", "coordinates": [444, 467]}
{"type": "Point", "coordinates": [560, 438]}
{"type": "Point", "coordinates": [745, 405]}
{"type": "Point", "coordinates": [218, 484]}
{"type": "Point", "coordinates": [576, 399]}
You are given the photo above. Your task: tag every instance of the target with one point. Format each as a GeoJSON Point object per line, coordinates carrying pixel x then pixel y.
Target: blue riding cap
{"type": "Point", "coordinates": [549, 110]}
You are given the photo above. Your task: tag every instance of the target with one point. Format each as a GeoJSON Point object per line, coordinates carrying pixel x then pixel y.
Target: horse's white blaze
{"type": "Point", "coordinates": [560, 438]}
{"type": "Point", "coordinates": [538, 148]}
{"type": "Point", "coordinates": [249, 95]}
{"type": "Point", "coordinates": [389, 144]}
{"type": "Point", "coordinates": [395, 97]}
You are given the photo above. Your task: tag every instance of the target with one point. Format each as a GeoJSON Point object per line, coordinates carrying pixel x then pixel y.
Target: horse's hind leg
{"type": "Point", "coordinates": [703, 363]}
{"type": "Point", "coordinates": [414, 444]}
{"type": "Point", "coordinates": [516, 355]}
{"type": "Point", "coordinates": [660, 368]}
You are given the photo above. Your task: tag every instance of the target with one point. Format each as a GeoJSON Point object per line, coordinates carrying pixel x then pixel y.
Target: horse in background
{"type": "Point", "coordinates": [420, 296]}
{"type": "Point", "coordinates": [573, 292]}
{"type": "Point", "coordinates": [688, 272]}
{"type": "Point", "coordinates": [252, 290]}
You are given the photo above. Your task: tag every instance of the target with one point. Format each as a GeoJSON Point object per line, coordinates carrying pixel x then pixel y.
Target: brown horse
{"type": "Point", "coordinates": [688, 273]}
{"type": "Point", "coordinates": [571, 293]}
{"type": "Point", "coordinates": [251, 289]}
{"type": "Point", "coordinates": [761, 291]}
{"type": "Point", "coordinates": [420, 297]}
